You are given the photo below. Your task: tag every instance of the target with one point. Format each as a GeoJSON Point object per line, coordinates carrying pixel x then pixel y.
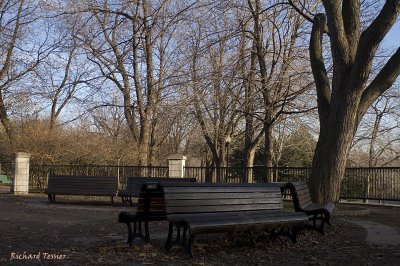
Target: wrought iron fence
{"type": "Point", "coordinates": [371, 184]}
{"type": "Point", "coordinates": [358, 183]}
{"type": "Point", "coordinates": [256, 174]}
{"type": "Point", "coordinates": [38, 174]}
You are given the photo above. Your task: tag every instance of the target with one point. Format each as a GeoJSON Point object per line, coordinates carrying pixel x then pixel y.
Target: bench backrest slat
{"type": "Point", "coordinates": [301, 195]}
{"type": "Point", "coordinates": [209, 198]}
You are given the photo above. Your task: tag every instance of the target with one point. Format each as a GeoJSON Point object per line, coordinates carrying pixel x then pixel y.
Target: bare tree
{"type": "Point", "coordinates": [378, 134]}
{"type": "Point", "coordinates": [123, 39]}
{"type": "Point", "coordinates": [275, 34]}
{"type": "Point", "coordinates": [16, 17]}
{"type": "Point", "coordinates": [214, 87]}
{"type": "Point", "coordinates": [344, 98]}
{"type": "Point", "coordinates": [60, 77]}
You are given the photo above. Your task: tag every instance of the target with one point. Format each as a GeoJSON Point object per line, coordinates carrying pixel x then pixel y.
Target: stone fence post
{"type": "Point", "coordinates": [20, 180]}
{"type": "Point", "coordinates": [176, 164]}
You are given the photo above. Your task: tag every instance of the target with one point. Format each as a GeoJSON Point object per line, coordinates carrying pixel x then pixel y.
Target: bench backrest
{"type": "Point", "coordinates": [301, 195]}
{"type": "Point", "coordinates": [194, 198]}
{"type": "Point", "coordinates": [134, 184]}
{"type": "Point", "coordinates": [85, 185]}
{"type": "Point", "coordinates": [151, 203]}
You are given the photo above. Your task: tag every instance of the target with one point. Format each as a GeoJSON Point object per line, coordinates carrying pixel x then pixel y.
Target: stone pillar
{"type": "Point", "coordinates": [176, 164]}
{"type": "Point", "coordinates": [20, 181]}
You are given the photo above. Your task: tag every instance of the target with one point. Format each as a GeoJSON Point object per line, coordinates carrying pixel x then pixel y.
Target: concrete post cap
{"type": "Point", "coordinates": [22, 154]}
{"type": "Point", "coordinates": [177, 157]}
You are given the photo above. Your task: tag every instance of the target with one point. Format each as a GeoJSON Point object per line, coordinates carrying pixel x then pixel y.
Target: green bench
{"type": "Point", "coordinates": [4, 180]}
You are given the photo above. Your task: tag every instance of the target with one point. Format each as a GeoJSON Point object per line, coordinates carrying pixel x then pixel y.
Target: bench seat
{"type": "Point", "coordinates": [239, 223]}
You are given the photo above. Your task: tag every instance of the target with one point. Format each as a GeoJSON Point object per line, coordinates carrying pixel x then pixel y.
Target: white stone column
{"type": "Point", "coordinates": [20, 182]}
{"type": "Point", "coordinates": [176, 164]}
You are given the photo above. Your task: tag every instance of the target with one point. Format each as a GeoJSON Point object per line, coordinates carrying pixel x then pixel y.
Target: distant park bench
{"type": "Point", "coordinates": [81, 185]}
{"type": "Point", "coordinates": [216, 208]}
{"type": "Point", "coordinates": [134, 185]}
{"type": "Point", "coordinates": [302, 203]}
{"type": "Point", "coordinates": [4, 180]}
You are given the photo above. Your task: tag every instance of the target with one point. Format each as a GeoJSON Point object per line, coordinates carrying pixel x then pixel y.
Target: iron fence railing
{"type": "Point", "coordinates": [38, 174]}
{"type": "Point", "coordinates": [371, 184]}
{"type": "Point", "coordinates": [358, 183]}
{"type": "Point", "coordinates": [256, 174]}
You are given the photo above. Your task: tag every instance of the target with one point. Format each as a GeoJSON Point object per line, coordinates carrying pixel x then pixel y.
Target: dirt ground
{"type": "Point", "coordinates": [85, 231]}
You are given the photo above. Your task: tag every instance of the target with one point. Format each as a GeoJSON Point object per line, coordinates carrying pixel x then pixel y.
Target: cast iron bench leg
{"type": "Point", "coordinates": [130, 234]}
{"type": "Point", "coordinates": [189, 247]}
{"type": "Point", "coordinates": [293, 234]}
{"type": "Point", "coordinates": [147, 234]}
{"type": "Point", "coordinates": [327, 221]}
{"type": "Point", "coordinates": [123, 200]}
{"type": "Point", "coordinates": [168, 244]}
{"type": "Point", "coordinates": [321, 227]}
{"type": "Point", "coordinates": [130, 201]}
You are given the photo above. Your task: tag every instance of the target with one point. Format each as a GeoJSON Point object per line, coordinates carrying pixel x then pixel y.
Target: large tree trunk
{"type": "Point", "coordinates": [268, 150]}
{"type": "Point", "coordinates": [6, 123]}
{"type": "Point", "coordinates": [143, 145]}
{"type": "Point", "coordinates": [344, 98]}
{"type": "Point", "coordinates": [250, 154]}
{"type": "Point", "coordinates": [331, 154]}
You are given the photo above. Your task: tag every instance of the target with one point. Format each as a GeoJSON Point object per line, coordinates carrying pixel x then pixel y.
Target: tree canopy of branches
{"type": "Point", "coordinates": [131, 82]}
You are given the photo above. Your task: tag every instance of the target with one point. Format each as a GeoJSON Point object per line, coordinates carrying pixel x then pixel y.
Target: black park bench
{"type": "Point", "coordinates": [302, 203]}
{"type": "Point", "coordinates": [134, 185]}
{"type": "Point", "coordinates": [81, 185]}
{"type": "Point", "coordinates": [218, 208]}
{"type": "Point", "coordinates": [150, 207]}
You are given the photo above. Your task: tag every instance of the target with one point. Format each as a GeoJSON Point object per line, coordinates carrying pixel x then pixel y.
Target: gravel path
{"type": "Point", "coordinates": [84, 231]}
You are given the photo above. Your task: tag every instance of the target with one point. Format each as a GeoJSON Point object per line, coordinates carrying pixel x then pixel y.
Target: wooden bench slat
{"type": "Point", "coordinates": [210, 195]}
{"type": "Point", "coordinates": [220, 208]}
{"type": "Point", "coordinates": [212, 189]}
{"type": "Point", "coordinates": [224, 201]}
